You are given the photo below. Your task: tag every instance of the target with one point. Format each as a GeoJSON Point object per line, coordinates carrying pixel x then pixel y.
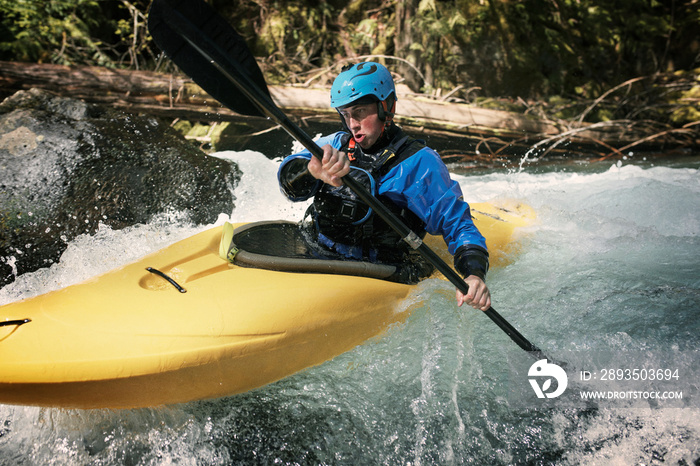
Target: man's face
{"type": "Point", "coordinates": [364, 123]}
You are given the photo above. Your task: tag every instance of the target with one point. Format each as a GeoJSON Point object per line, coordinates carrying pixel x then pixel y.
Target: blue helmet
{"type": "Point", "coordinates": [362, 80]}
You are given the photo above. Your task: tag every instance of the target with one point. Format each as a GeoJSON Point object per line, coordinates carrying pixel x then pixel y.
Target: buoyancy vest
{"type": "Point", "coordinates": [343, 220]}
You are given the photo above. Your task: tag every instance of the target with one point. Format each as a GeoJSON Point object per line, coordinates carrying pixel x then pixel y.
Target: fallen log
{"type": "Point", "coordinates": [171, 94]}
{"type": "Point", "coordinates": [176, 96]}
{"type": "Point", "coordinates": [133, 91]}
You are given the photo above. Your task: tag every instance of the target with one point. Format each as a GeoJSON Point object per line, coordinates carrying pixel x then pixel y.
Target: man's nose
{"type": "Point", "coordinates": [353, 122]}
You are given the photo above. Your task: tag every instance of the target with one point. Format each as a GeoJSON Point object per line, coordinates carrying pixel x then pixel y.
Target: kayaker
{"type": "Point", "coordinates": [402, 172]}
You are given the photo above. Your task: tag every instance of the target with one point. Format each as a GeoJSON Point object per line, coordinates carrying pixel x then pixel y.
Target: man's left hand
{"type": "Point", "coordinates": [478, 297]}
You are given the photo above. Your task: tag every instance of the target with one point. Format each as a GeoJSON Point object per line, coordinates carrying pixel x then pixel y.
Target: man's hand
{"type": "Point", "coordinates": [332, 168]}
{"type": "Point", "coordinates": [478, 297]}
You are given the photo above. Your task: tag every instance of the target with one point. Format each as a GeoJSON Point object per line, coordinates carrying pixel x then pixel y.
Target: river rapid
{"type": "Point", "coordinates": [611, 267]}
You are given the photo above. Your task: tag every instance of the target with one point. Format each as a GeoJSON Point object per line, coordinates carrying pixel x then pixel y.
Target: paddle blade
{"type": "Point", "coordinates": [165, 21]}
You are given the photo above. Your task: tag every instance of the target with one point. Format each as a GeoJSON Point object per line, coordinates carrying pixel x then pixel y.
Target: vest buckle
{"type": "Point", "coordinates": [348, 209]}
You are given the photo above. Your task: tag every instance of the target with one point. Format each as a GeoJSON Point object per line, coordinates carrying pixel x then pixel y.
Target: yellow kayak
{"type": "Point", "coordinates": [184, 324]}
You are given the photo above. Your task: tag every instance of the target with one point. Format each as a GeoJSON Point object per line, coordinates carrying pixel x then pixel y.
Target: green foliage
{"type": "Point", "coordinates": [296, 35]}
{"type": "Point", "coordinates": [131, 36]}
{"type": "Point", "coordinates": [439, 25]}
{"type": "Point", "coordinates": [95, 32]}
{"type": "Point", "coordinates": [528, 49]}
{"type": "Point", "coordinates": [688, 102]}
{"type": "Point", "coordinates": [540, 47]}
{"type": "Point", "coordinates": [36, 30]}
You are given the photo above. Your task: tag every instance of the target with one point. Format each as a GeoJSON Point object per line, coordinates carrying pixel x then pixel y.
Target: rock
{"type": "Point", "coordinates": [66, 166]}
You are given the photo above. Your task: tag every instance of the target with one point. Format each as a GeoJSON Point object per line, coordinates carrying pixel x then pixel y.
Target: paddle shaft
{"type": "Point", "coordinates": [236, 75]}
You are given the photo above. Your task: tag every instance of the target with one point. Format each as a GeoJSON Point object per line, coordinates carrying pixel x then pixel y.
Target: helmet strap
{"type": "Point", "coordinates": [384, 113]}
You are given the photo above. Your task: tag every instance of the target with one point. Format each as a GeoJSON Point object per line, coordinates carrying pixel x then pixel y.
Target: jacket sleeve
{"type": "Point", "coordinates": [422, 183]}
{"type": "Point", "coordinates": [295, 181]}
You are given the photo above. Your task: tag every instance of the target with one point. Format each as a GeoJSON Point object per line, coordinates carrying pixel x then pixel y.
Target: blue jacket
{"type": "Point", "coordinates": [420, 183]}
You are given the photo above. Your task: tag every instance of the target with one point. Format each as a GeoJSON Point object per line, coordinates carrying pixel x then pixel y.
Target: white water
{"type": "Point", "coordinates": [613, 263]}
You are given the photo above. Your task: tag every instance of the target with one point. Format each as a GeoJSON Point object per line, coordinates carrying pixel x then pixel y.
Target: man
{"type": "Point", "coordinates": [404, 174]}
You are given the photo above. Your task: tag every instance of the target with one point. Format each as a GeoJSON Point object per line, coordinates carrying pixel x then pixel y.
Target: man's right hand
{"type": "Point", "coordinates": [331, 168]}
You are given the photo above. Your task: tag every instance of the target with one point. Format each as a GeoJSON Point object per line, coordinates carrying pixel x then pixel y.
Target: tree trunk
{"type": "Point", "coordinates": [405, 37]}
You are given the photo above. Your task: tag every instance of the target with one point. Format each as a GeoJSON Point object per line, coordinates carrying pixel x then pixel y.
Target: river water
{"type": "Point", "coordinates": [611, 267]}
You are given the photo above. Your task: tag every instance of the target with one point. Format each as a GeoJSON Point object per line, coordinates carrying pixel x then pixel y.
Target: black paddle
{"type": "Point", "coordinates": [217, 58]}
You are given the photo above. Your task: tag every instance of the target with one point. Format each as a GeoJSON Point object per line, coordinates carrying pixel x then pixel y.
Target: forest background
{"type": "Point", "coordinates": [636, 59]}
